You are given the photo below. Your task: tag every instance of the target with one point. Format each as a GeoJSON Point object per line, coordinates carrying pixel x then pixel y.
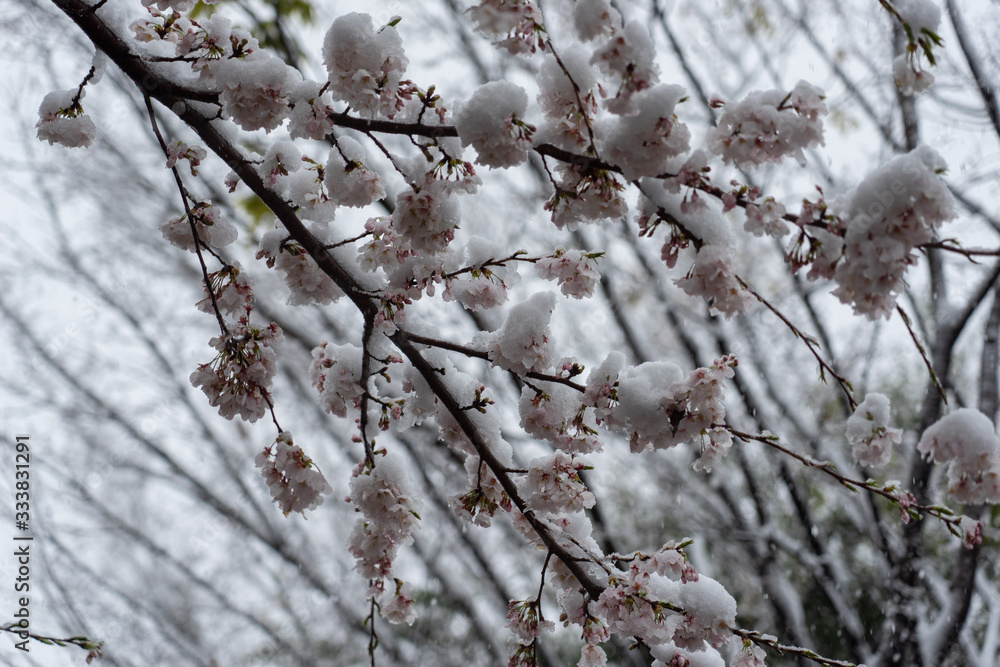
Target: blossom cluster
{"type": "Point", "coordinates": [236, 381]}
{"type": "Point", "coordinates": [211, 227]}
{"type": "Point", "coordinates": [336, 375]}
{"type": "Point", "coordinates": [491, 121]}
{"type": "Point", "coordinates": [514, 25]}
{"type": "Point", "coordinates": [869, 433]}
{"type": "Point", "coordinates": [366, 66]}
{"type": "Point", "coordinates": [389, 514]}
{"type": "Point", "coordinates": [895, 210]}
{"type": "Point", "coordinates": [767, 126]}
{"type": "Point", "coordinates": [572, 269]}
{"type": "Point", "coordinates": [966, 440]}
{"type": "Point", "coordinates": [295, 482]}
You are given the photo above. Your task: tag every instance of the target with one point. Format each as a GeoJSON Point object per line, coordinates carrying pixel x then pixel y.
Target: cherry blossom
{"type": "Point", "coordinates": [895, 209]}
{"type": "Point", "coordinates": [366, 66]}
{"type": "Point", "coordinates": [770, 125]}
{"type": "Point", "coordinates": [336, 375]}
{"type": "Point", "coordinates": [522, 342]}
{"type": "Point", "coordinates": [61, 120]}
{"type": "Point", "coordinates": [350, 181]}
{"type": "Point", "coordinates": [491, 122]}
{"type": "Point", "coordinates": [254, 91]}
{"type": "Point", "coordinates": [573, 270]}
{"type": "Point", "coordinates": [966, 439]}
{"type": "Point", "coordinates": [389, 515]}
{"type": "Point", "coordinates": [296, 484]}
{"type": "Point", "coordinates": [514, 25]}
{"type": "Point", "coordinates": [213, 229]}
{"type": "Point", "coordinates": [869, 433]}
{"type": "Point", "coordinates": [237, 380]}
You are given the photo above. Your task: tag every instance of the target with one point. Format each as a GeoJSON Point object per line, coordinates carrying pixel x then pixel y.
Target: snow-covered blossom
{"type": "Point", "coordinates": [628, 58]}
{"type": "Point", "coordinates": [491, 121]}
{"type": "Point", "coordinates": [521, 344]}
{"type": "Point", "coordinates": [389, 513]}
{"type": "Point", "coordinates": [232, 289]}
{"type": "Point", "coordinates": [383, 250]}
{"type": "Point", "coordinates": [746, 653]}
{"type": "Point", "coordinates": [572, 269]}
{"type": "Point", "coordinates": [629, 609]}
{"type": "Point", "coordinates": [426, 219]}
{"type": "Point", "coordinates": [769, 125]}
{"type": "Point", "coordinates": [295, 482]}
{"type": "Point", "coordinates": [397, 607]}
{"type": "Point", "coordinates": [553, 485]}
{"type": "Point", "coordinates": [766, 218]}
{"type": "Point", "coordinates": [966, 438]}
{"type": "Point", "coordinates": [178, 150]}
{"type": "Point", "coordinates": [642, 143]}
{"type": "Point", "coordinates": [307, 282]}
{"type": "Point", "coordinates": [972, 531]}
{"type": "Point", "coordinates": [236, 381]}
{"type": "Point", "coordinates": [657, 406]}
{"type": "Point", "coordinates": [710, 612]}
{"type": "Point", "coordinates": [894, 210]}
{"type": "Point", "coordinates": [253, 91]}
{"type": "Point", "coordinates": [869, 433]}
{"type": "Point", "coordinates": [336, 374]}
{"type": "Point", "coordinates": [348, 178]}
{"type": "Point", "coordinates": [213, 229]}
{"type": "Point", "coordinates": [474, 279]}
{"type": "Point", "coordinates": [306, 190]}
{"type": "Point", "coordinates": [366, 66]}
{"type": "Point", "coordinates": [671, 655]}
{"type": "Point", "coordinates": [911, 78]}
{"type": "Point", "coordinates": [281, 159]}
{"type": "Point", "coordinates": [310, 117]}
{"type": "Point", "coordinates": [585, 195]}
{"type": "Point", "coordinates": [712, 277]}
{"type": "Point", "coordinates": [61, 120]}
{"type": "Point", "coordinates": [601, 391]}
{"type": "Point", "coordinates": [175, 5]}
{"type": "Point", "coordinates": [557, 415]}
{"type": "Point", "coordinates": [595, 18]}
{"type": "Point", "coordinates": [513, 25]}
{"type": "Point", "coordinates": [480, 504]}
{"type": "Point", "coordinates": [566, 122]}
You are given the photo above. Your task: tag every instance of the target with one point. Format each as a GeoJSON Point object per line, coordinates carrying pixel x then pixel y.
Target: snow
{"type": "Point", "coordinates": [967, 440]}
{"type": "Point", "coordinates": [869, 433]}
{"type": "Point", "coordinates": [896, 208]}
{"type": "Point", "coordinates": [365, 67]}
{"type": "Point", "coordinates": [522, 344]}
{"type": "Point", "coordinates": [490, 121]}
{"type": "Point", "coordinates": [642, 143]}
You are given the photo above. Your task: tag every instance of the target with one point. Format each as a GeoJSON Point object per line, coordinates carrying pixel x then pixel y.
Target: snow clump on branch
{"type": "Point", "coordinates": [770, 125]}
{"type": "Point", "coordinates": [967, 440]}
{"type": "Point", "coordinates": [491, 121]}
{"type": "Point", "coordinates": [869, 433]}
{"type": "Point", "coordinates": [254, 90]}
{"type": "Point", "coordinates": [642, 143]}
{"type": "Point", "coordinates": [521, 345]}
{"type": "Point", "coordinates": [366, 66]}
{"type": "Point", "coordinates": [61, 120]}
{"type": "Point", "coordinates": [895, 210]}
